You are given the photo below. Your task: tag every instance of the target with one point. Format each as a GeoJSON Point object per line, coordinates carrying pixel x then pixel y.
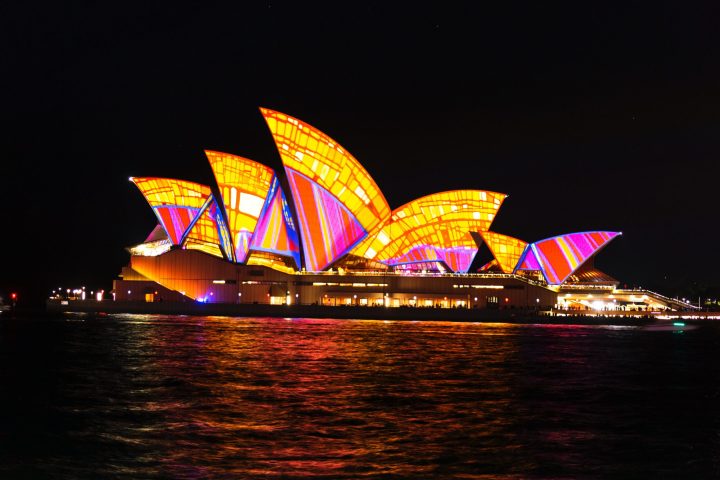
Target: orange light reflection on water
{"type": "Point", "coordinates": [309, 397]}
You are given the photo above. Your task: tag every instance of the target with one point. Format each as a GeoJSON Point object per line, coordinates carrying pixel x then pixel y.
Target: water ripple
{"type": "Point", "coordinates": [143, 396]}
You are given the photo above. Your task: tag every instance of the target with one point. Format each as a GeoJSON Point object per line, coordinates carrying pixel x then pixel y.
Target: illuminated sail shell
{"type": "Point", "coordinates": [344, 193]}
{"type": "Point", "coordinates": [244, 185]}
{"type": "Point", "coordinates": [329, 229]}
{"type": "Point", "coordinates": [209, 233]}
{"type": "Point", "coordinates": [456, 259]}
{"type": "Point", "coordinates": [275, 231]}
{"type": "Point", "coordinates": [440, 222]}
{"type": "Point", "coordinates": [176, 203]}
{"type": "Point", "coordinates": [528, 260]}
{"type": "Point", "coordinates": [506, 250]}
{"type": "Point", "coordinates": [558, 257]}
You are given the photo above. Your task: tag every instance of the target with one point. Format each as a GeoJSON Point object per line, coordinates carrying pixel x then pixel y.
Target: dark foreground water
{"type": "Point", "coordinates": [144, 397]}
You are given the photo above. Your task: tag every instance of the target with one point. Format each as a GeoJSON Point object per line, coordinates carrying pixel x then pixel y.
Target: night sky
{"type": "Point", "coordinates": [590, 115]}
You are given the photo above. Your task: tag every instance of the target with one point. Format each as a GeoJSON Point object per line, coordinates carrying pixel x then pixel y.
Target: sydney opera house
{"type": "Point", "coordinates": [322, 233]}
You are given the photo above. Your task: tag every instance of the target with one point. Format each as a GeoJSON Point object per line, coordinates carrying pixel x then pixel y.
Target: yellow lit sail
{"type": "Point", "coordinates": [209, 233]}
{"type": "Point", "coordinates": [244, 185]}
{"type": "Point", "coordinates": [176, 203]}
{"type": "Point", "coordinates": [310, 152]}
{"type": "Point", "coordinates": [505, 249]}
{"type": "Point", "coordinates": [442, 220]}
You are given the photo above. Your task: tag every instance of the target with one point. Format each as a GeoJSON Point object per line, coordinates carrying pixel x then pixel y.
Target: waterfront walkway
{"type": "Point", "coordinates": [377, 313]}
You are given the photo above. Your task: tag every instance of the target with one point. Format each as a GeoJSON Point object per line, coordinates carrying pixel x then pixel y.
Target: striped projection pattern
{"type": "Point", "coordinates": [276, 232]}
{"type": "Point", "coordinates": [505, 249]}
{"type": "Point", "coordinates": [328, 228]}
{"type": "Point", "coordinates": [529, 261]}
{"type": "Point", "coordinates": [310, 152]}
{"type": "Point", "coordinates": [443, 220]}
{"type": "Point", "coordinates": [455, 259]}
{"type": "Point", "coordinates": [176, 203]}
{"type": "Point", "coordinates": [558, 257]}
{"type": "Point", "coordinates": [209, 233]}
{"type": "Point", "coordinates": [244, 186]}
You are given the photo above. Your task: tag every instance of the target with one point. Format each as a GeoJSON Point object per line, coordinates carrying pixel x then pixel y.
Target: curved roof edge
{"type": "Point", "coordinates": [445, 192]}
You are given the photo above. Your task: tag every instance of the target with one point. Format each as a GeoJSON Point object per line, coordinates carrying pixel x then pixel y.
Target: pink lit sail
{"type": "Point", "coordinates": [529, 261]}
{"type": "Point", "coordinates": [176, 203]}
{"type": "Point", "coordinates": [275, 232]}
{"type": "Point", "coordinates": [175, 219]}
{"type": "Point", "coordinates": [328, 229]}
{"type": "Point", "coordinates": [209, 233]}
{"type": "Point", "coordinates": [457, 259]}
{"type": "Point", "coordinates": [558, 257]}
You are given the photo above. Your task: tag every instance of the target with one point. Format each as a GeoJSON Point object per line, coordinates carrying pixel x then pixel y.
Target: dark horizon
{"type": "Point", "coordinates": [590, 118]}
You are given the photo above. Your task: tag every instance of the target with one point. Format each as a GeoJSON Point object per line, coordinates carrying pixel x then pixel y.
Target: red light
{"type": "Point", "coordinates": [507, 299]}
{"type": "Point", "coordinates": [13, 296]}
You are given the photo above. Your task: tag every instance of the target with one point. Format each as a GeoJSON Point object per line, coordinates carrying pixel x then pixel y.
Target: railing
{"type": "Point", "coordinates": [658, 295]}
{"type": "Point", "coordinates": [573, 286]}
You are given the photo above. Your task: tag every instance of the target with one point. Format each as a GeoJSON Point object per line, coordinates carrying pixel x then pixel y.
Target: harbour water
{"type": "Point", "coordinates": [151, 396]}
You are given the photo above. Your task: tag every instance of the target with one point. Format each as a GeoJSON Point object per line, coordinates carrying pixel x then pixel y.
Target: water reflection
{"type": "Point", "coordinates": [216, 397]}
{"type": "Point", "coordinates": [312, 398]}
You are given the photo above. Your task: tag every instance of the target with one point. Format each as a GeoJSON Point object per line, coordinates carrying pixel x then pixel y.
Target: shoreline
{"type": "Point", "coordinates": [367, 313]}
